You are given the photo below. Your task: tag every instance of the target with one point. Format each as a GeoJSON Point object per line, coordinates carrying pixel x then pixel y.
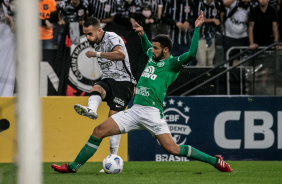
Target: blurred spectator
{"type": "Point", "coordinates": [104, 10]}
{"type": "Point", "coordinates": [135, 10]}
{"type": "Point", "coordinates": [48, 16]}
{"type": "Point", "coordinates": [72, 12]}
{"type": "Point", "coordinates": [179, 15]}
{"type": "Point", "coordinates": [122, 13]}
{"type": "Point", "coordinates": [263, 31]}
{"type": "Point", "coordinates": [157, 11]}
{"type": "Point", "coordinates": [213, 11]}
{"type": "Point", "coordinates": [127, 11]}
{"type": "Point", "coordinates": [7, 49]}
{"type": "Point", "coordinates": [146, 19]}
{"type": "Point", "coordinates": [236, 25]}
{"type": "Point", "coordinates": [156, 6]}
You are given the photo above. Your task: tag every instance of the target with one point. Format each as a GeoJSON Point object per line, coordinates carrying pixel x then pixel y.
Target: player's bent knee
{"type": "Point", "coordinates": [98, 133]}
{"type": "Point", "coordinates": [96, 88]}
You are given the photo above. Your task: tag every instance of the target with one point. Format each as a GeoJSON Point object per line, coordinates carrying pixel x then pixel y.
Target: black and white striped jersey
{"type": "Point", "coordinates": [178, 11]}
{"type": "Point", "coordinates": [211, 11]}
{"type": "Point", "coordinates": [102, 9]}
{"type": "Point", "coordinates": [117, 70]}
{"type": "Point", "coordinates": [70, 13]}
{"type": "Point", "coordinates": [122, 9]}
{"type": "Point", "coordinates": [125, 11]}
{"type": "Point", "coordinates": [155, 4]}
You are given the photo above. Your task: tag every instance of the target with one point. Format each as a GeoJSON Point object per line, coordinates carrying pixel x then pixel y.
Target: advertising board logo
{"type": "Point", "coordinates": [175, 114]}
{"type": "Point", "coordinates": [84, 71]}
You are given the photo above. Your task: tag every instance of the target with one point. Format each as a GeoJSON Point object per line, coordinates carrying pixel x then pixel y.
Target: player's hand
{"type": "Point", "coordinates": [139, 29]}
{"type": "Point", "coordinates": [90, 54]}
{"type": "Point", "coordinates": [200, 20]}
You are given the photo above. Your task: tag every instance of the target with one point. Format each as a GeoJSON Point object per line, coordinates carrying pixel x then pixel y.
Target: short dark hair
{"type": "Point", "coordinates": [164, 41]}
{"type": "Point", "coordinates": [91, 21]}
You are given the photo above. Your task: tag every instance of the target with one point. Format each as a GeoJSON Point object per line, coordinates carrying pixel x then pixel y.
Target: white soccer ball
{"type": "Point", "coordinates": [113, 164]}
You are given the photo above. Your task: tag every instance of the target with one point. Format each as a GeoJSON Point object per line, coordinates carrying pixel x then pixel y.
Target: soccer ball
{"type": "Point", "coordinates": [113, 164]}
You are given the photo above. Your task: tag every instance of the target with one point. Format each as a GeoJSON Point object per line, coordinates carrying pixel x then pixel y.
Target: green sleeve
{"type": "Point", "coordinates": [146, 44]}
{"type": "Point", "coordinates": [185, 58]}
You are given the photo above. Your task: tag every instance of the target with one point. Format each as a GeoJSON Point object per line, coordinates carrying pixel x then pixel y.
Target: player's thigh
{"type": "Point", "coordinates": [99, 89]}
{"type": "Point", "coordinates": [151, 119]}
{"type": "Point", "coordinates": [107, 128]}
{"type": "Point", "coordinates": [127, 120]}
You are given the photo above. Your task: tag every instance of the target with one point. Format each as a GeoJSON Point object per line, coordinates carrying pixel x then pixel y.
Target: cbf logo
{"type": "Point", "coordinates": [175, 114]}
{"type": "Point", "coordinates": [149, 73]}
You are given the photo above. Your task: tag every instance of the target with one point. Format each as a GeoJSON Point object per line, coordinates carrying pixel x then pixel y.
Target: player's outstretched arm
{"type": "Point", "coordinates": [195, 39]}
{"type": "Point", "coordinates": [188, 56]}
{"type": "Point", "coordinates": [146, 44]}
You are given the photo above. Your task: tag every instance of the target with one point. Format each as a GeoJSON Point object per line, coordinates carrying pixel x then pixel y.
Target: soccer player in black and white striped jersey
{"type": "Point", "coordinates": [214, 11]}
{"type": "Point", "coordinates": [104, 10]}
{"type": "Point", "coordinates": [179, 15]}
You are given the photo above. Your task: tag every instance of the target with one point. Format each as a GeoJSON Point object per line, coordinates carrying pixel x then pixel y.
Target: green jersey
{"type": "Point", "coordinates": [157, 76]}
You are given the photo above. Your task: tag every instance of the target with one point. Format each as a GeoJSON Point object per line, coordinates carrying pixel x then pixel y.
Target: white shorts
{"type": "Point", "coordinates": [140, 117]}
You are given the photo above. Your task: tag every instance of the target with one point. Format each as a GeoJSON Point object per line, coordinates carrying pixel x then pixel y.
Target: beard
{"type": "Point", "coordinates": [159, 57]}
{"type": "Point", "coordinates": [91, 42]}
{"type": "Point", "coordinates": [95, 40]}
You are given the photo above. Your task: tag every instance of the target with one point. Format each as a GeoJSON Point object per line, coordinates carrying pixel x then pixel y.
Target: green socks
{"type": "Point", "coordinates": [86, 152]}
{"type": "Point", "coordinates": [191, 152]}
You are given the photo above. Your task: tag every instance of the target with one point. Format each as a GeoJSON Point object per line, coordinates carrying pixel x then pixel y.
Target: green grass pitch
{"type": "Point", "coordinates": [194, 172]}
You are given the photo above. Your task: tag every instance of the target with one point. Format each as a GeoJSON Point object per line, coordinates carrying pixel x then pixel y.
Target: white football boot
{"type": "Point", "coordinates": [85, 111]}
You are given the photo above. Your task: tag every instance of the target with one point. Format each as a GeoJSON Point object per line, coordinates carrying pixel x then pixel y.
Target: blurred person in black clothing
{"type": "Point", "coordinates": [179, 15]}
{"type": "Point", "coordinates": [263, 31]}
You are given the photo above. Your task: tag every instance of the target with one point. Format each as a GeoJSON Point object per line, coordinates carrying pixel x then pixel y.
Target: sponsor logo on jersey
{"type": "Point", "coordinates": [161, 63]}
{"type": "Point", "coordinates": [149, 73]}
{"type": "Point", "coordinates": [105, 65]}
{"type": "Point", "coordinates": [119, 101]}
{"type": "Point", "coordinates": [152, 61]}
{"type": "Point", "coordinates": [140, 90]}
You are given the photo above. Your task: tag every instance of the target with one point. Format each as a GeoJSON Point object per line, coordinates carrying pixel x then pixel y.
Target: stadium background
{"type": "Point", "coordinates": [240, 128]}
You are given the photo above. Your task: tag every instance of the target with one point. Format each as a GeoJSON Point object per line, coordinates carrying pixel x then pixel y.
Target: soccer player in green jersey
{"type": "Point", "coordinates": [147, 112]}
